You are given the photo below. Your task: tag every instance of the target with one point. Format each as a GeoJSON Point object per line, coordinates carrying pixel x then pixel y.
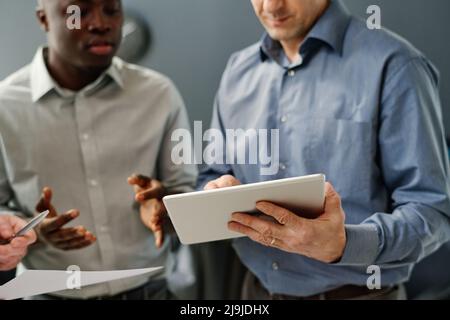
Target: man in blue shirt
{"type": "Point", "coordinates": [362, 107]}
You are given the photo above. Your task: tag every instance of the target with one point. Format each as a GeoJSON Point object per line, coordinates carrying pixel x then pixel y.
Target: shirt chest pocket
{"type": "Point", "coordinates": [342, 149]}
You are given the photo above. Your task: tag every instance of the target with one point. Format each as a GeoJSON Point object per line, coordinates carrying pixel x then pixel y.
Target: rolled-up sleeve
{"type": "Point", "coordinates": [413, 160]}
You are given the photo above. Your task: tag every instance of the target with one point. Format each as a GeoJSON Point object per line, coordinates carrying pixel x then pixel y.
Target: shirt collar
{"type": "Point", "coordinates": [115, 71]}
{"type": "Point", "coordinates": [330, 29]}
{"type": "Point", "coordinates": [41, 81]}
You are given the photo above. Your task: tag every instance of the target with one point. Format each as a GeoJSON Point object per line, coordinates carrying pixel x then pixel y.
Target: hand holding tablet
{"type": "Point", "coordinates": [204, 216]}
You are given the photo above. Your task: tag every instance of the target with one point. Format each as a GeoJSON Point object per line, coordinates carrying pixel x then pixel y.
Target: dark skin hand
{"type": "Point", "coordinates": [149, 193]}
{"type": "Point", "coordinates": [76, 58]}
{"type": "Point", "coordinates": [51, 229]}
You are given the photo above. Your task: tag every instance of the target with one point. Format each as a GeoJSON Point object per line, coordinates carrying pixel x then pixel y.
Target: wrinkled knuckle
{"type": "Point", "coordinates": [266, 233]}
{"type": "Point", "coordinates": [261, 239]}
{"type": "Point", "coordinates": [284, 218]}
{"type": "Point", "coordinates": [237, 227]}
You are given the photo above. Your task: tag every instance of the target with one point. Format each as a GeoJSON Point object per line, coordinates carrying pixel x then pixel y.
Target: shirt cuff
{"type": "Point", "coordinates": [362, 245]}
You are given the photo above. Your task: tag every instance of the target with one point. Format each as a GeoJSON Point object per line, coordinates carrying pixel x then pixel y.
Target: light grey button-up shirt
{"type": "Point", "coordinates": [84, 145]}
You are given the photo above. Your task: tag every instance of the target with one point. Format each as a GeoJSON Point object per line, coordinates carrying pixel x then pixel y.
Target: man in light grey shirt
{"type": "Point", "coordinates": [81, 121]}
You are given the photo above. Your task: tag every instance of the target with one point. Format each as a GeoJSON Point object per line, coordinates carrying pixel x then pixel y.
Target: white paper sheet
{"type": "Point", "coordinates": [35, 282]}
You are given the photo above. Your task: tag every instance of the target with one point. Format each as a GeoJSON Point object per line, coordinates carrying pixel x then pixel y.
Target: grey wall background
{"type": "Point", "coordinates": [192, 39]}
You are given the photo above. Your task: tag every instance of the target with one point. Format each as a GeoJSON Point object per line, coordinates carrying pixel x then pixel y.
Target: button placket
{"type": "Point", "coordinates": [283, 123]}
{"type": "Point", "coordinates": [85, 122]}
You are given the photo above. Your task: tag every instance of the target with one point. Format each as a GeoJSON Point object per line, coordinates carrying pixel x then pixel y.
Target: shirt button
{"type": "Point", "coordinates": [275, 266]}
{"type": "Point", "coordinates": [85, 137]}
{"type": "Point", "coordinates": [283, 119]}
{"type": "Point", "coordinates": [93, 182]}
{"type": "Point", "coordinates": [103, 229]}
{"type": "Point", "coordinates": [291, 73]}
{"type": "Point", "coordinates": [282, 166]}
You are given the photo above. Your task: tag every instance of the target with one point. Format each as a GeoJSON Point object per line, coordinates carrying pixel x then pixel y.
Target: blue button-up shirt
{"type": "Point", "coordinates": [362, 107]}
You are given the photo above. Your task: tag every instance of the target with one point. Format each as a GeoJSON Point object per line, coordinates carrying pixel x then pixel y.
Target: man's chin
{"type": "Point", "coordinates": [280, 35]}
{"type": "Point", "coordinates": [99, 63]}
{"type": "Point", "coordinates": [286, 33]}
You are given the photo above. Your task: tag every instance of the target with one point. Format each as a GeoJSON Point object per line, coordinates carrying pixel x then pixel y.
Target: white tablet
{"type": "Point", "coordinates": [203, 216]}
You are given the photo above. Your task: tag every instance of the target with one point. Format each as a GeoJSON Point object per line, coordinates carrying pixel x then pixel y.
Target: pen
{"type": "Point", "coordinates": [30, 225]}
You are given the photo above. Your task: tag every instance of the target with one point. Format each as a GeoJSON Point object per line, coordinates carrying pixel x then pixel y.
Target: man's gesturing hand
{"type": "Point", "coordinates": [51, 229]}
{"type": "Point", "coordinates": [322, 238]}
{"type": "Point", "coordinates": [149, 193]}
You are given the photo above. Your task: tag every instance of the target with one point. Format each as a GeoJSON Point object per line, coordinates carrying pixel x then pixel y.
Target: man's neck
{"type": "Point", "coordinates": [68, 76]}
{"type": "Point", "coordinates": [291, 49]}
